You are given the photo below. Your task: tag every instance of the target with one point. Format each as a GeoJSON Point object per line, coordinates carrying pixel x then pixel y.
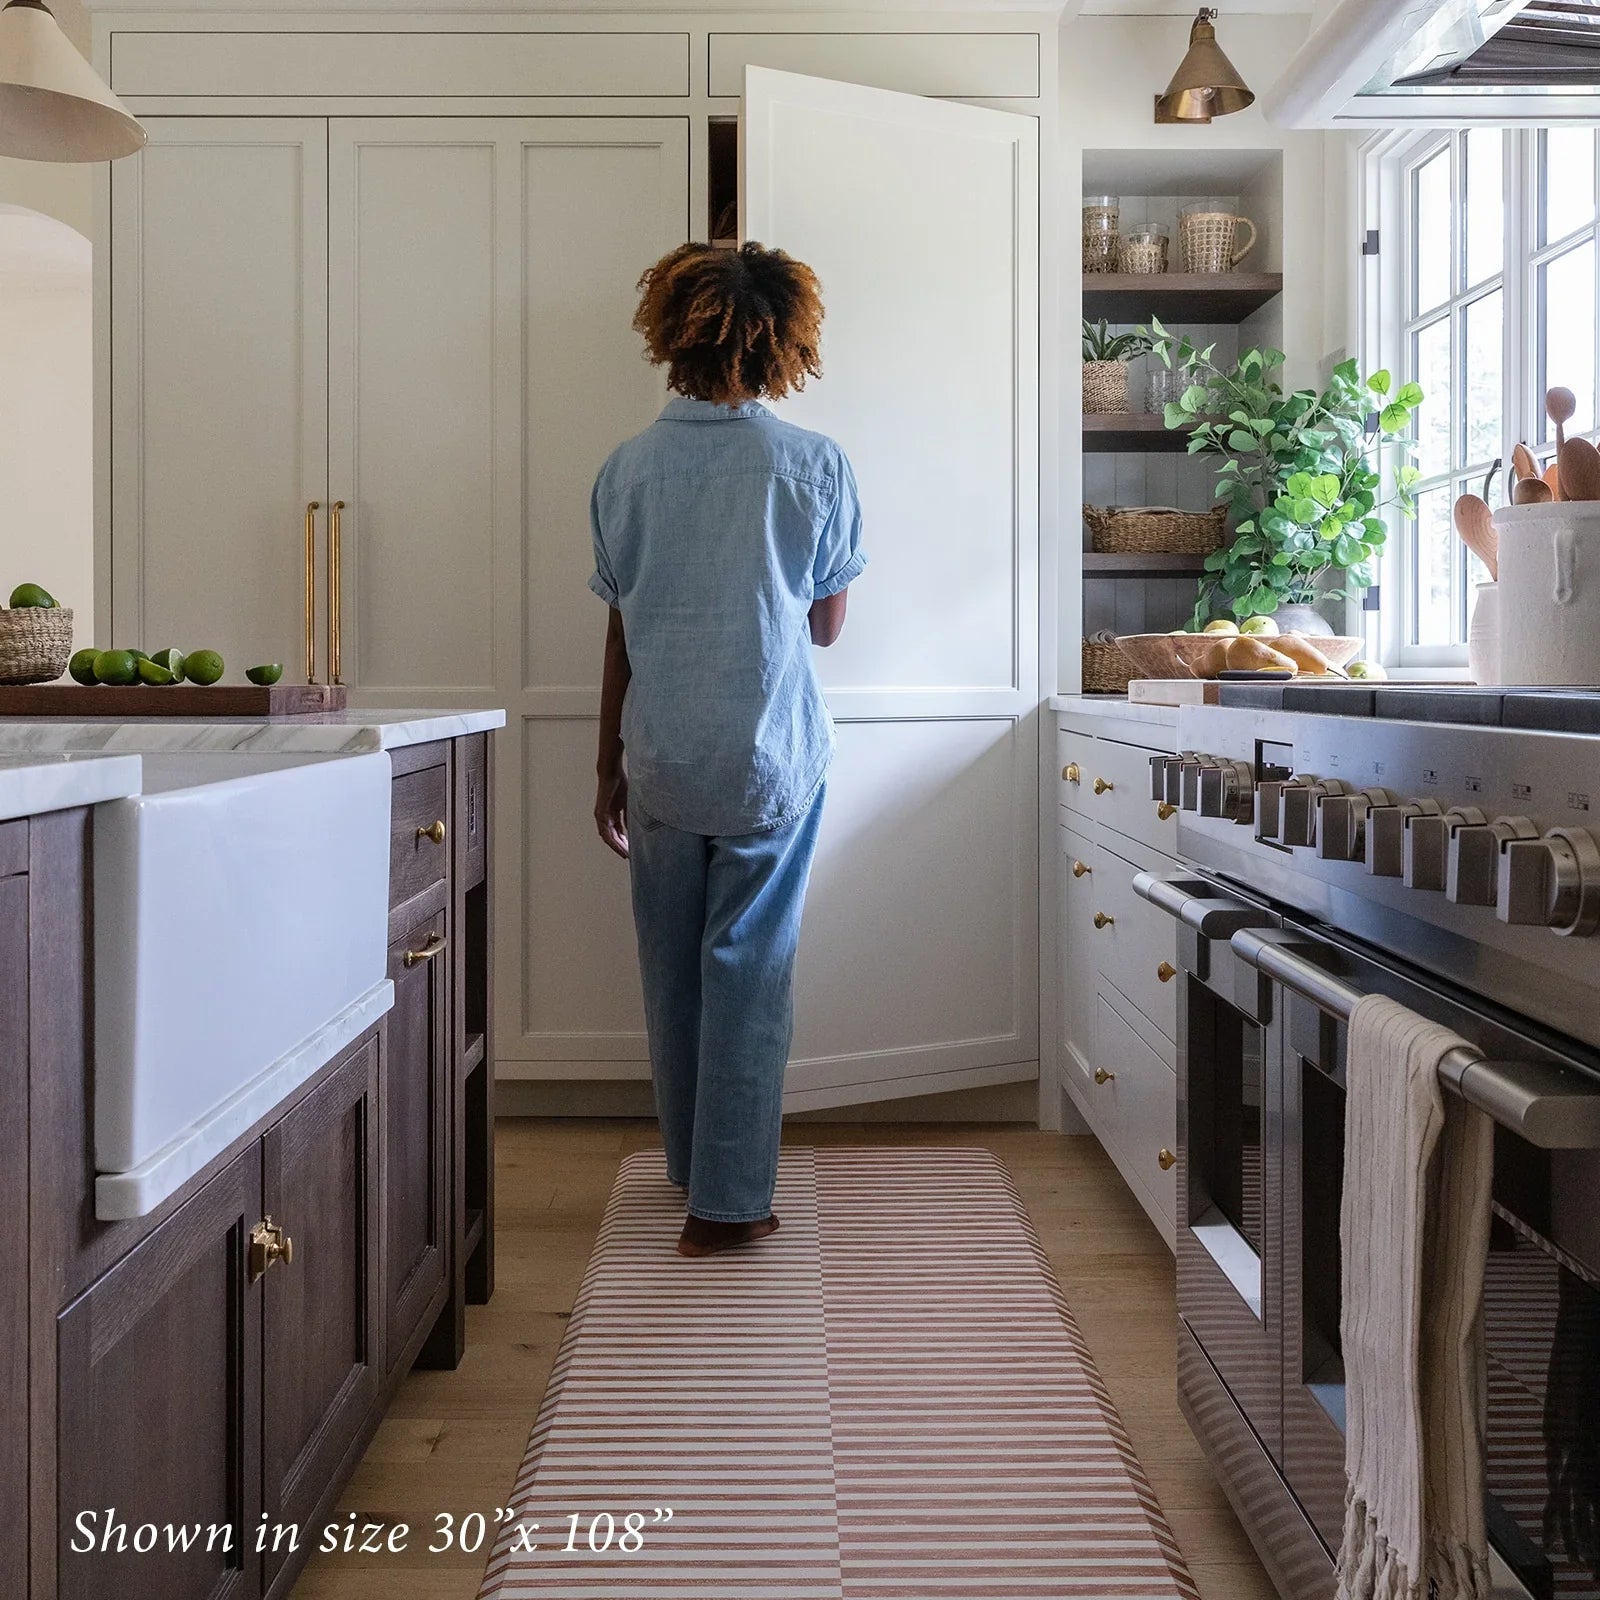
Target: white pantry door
{"type": "Point", "coordinates": [918, 967]}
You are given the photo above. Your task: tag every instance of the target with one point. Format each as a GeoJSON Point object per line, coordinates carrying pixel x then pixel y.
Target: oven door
{"type": "Point", "coordinates": [1228, 1177]}
{"type": "Point", "coordinates": [1542, 1291]}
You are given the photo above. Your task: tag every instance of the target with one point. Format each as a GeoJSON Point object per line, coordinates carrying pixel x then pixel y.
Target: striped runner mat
{"type": "Point", "coordinates": [888, 1399]}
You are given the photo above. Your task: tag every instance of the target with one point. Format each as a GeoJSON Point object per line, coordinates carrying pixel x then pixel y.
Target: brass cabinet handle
{"type": "Point", "coordinates": [434, 831]}
{"type": "Point", "coordinates": [1081, 869]}
{"type": "Point", "coordinates": [1102, 1076]}
{"type": "Point", "coordinates": [1166, 972]}
{"type": "Point", "coordinates": [1166, 809]}
{"type": "Point", "coordinates": [1101, 920]}
{"type": "Point", "coordinates": [335, 594]}
{"type": "Point", "coordinates": [1166, 1160]}
{"type": "Point", "coordinates": [435, 946]}
{"type": "Point", "coordinates": [1102, 787]}
{"type": "Point", "coordinates": [269, 1245]}
{"type": "Point", "coordinates": [1072, 772]}
{"type": "Point", "coordinates": [312, 508]}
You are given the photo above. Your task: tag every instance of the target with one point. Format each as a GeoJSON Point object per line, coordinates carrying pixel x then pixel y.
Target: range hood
{"type": "Point", "coordinates": [1385, 63]}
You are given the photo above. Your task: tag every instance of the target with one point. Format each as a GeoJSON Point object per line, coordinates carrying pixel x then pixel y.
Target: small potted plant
{"type": "Point", "coordinates": [1105, 366]}
{"type": "Point", "coordinates": [1302, 475]}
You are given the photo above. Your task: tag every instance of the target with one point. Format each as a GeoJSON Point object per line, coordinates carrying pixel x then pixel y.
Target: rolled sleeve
{"type": "Point", "coordinates": [840, 557]}
{"type": "Point", "coordinates": [602, 581]}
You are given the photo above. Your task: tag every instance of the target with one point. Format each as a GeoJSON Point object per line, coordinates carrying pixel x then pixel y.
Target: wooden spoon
{"type": "Point", "coordinates": [1475, 524]}
{"type": "Point", "coordinates": [1580, 470]}
{"type": "Point", "coordinates": [1552, 476]}
{"type": "Point", "coordinates": [1522, 463]}
{"type": "Point", "coordinates": [1559, 405]}
{"type": "Point", "coordinates": [1531, 492]}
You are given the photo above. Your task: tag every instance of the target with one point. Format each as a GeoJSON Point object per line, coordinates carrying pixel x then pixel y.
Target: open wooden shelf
{"type": "Point", "coordinates": [1182, 297]}
{"type": "Point", "coordinates": [1140, 564]}
{"type": "Point", "coordinates": [1106, 431]}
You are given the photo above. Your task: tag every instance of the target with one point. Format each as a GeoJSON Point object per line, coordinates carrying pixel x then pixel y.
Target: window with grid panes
{"type": "Point", "coordinates": [1490, 299]}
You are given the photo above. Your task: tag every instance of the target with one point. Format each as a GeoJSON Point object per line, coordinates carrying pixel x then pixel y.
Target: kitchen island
{"type": "Point", "coordinates": [216, 1350]}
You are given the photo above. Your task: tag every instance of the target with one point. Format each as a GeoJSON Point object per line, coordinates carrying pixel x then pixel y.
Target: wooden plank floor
{"type": "Point", "coordinates": [452, 1441]}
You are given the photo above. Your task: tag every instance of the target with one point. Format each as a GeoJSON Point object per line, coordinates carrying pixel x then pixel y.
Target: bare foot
{"type": "Point", "coordinates": [701, 1237]}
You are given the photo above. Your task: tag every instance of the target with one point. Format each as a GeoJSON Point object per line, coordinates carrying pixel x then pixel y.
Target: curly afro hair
{"type": "Point", "coordinates": [731, 325]}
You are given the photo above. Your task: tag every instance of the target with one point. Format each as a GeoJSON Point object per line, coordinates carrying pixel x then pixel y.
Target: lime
{"type": "Point", "coordinates": [268, 674]}
{"type": "Point", "coordinates": [172, 660]}
{"type": "Point", "coordinates": [203, 666]}
{"type": "Point", "coordinates": [30, 594]}
{"type": "Point", "coordinates": [153, 673]}
{"type": "Point", "coordinates": [81, 666]}
{"type": "Point", "coordinates": [138, 655]}
{"type": "Point", "coordinates": [116, 666]}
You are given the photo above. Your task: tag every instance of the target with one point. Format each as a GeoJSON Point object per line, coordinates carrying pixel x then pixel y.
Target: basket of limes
{"type": "Point", "coordinates": [35, 637]}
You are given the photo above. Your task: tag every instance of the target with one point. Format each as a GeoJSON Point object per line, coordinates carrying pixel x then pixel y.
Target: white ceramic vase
{"type": "Point", "coordinates": [1483, 636]}
{"type": "Point", "coordinates": [1549, 601]}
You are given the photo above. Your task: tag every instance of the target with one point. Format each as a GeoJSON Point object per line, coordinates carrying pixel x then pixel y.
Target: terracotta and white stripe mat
{"type": "Point", "coordinates": [889, 1399]}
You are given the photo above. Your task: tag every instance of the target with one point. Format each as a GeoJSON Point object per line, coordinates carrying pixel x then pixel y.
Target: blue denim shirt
{"type": "Point", "coordinates": [714, 530]}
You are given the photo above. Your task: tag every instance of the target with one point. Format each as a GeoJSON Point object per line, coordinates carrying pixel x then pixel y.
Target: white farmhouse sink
{"type": "Point", "coordinates": [241, 925]}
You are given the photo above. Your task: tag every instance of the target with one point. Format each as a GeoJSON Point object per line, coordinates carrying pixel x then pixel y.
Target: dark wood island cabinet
{"type": "Point", "coordinates": [187, 1393]}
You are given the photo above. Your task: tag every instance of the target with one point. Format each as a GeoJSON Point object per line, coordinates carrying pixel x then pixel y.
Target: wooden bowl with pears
{"type": "Point", "coordinates": [1256, 645]}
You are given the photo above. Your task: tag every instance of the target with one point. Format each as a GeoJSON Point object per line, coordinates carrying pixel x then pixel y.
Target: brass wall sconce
{"type": "Point", "coordinates": [1206, 84]}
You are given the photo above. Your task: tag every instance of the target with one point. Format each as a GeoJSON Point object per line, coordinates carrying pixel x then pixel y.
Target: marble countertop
{"type": "Point", "coordinates": [1114, 706]}
{"type": "Point", "coordinates": [351, 732]}
{"type": "Point", "coordinates": [30, 784]}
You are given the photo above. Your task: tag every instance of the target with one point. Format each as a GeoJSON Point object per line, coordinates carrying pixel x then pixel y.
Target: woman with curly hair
{"type": "Point", "coordinates": [724, 543]}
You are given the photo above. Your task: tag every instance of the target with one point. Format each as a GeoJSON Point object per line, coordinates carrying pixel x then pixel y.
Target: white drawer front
{"type": "Point", "coordinates": [970, 66]}
{"type": "Point", "coordinates": [1075, 953]}
{"type": "Point", "coordinates": [1113, 787]}
{"type": "Point", "coordinates": [340, 65]}
{"type": "Point", "coordinates": [1143, 1090]}
{"type": "Point", "coordinates": [1136, 950]}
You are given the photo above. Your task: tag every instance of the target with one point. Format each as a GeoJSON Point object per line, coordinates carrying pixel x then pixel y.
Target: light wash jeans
{"type": "Point", "coordinates": [718, 920]}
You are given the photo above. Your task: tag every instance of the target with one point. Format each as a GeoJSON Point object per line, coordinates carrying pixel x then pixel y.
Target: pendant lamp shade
{"type": "Point", "coordinates": [1206, 84]}
{"type": "Point", "coordinates": [53, 104]}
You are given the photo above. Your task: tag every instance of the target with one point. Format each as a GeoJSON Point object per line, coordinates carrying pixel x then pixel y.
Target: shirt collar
{"type": "Point", "coordinates": [680, 409]}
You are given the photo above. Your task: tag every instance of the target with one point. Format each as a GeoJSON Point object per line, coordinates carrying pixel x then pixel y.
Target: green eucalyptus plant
{"type": "Point", "coordinates": [1101, 344]}
{"type": "Point", "coordinates": [1302, 474]}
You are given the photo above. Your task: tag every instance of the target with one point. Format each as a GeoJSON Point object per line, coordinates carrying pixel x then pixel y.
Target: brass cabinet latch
{"type": "Point", "coordinates": [269, 1245]}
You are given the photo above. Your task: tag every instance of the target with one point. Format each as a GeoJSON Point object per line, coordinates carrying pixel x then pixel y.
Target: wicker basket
{"type": "Point", "coordinates": [1105, 386]}
{"type": "Point", "coordinates": [1105, 669]}
{"type": "Point", "coordinates": [1155, 530]}
{"type": "Point", "coordinates": [35, 644]}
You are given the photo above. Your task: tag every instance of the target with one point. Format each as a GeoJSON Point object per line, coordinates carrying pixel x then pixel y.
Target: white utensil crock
{"type": "Point", "coordinates": [1549, 597]}
{"type": "Point", "coordinates": [1483, 636]}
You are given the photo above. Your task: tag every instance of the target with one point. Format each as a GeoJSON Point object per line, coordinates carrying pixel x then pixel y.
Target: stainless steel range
{"type": "Point", "coordinates": [1436, 847]}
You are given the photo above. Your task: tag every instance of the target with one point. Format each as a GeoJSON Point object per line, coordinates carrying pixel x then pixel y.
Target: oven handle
{"type": "Point", "coordinates": [1550, 1106]}
{"type": "Point", "coordinates": [1195, 903]}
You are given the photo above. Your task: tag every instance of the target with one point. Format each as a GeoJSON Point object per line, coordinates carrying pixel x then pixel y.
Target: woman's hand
{"type": "Point", "coordinates": [611, 812]}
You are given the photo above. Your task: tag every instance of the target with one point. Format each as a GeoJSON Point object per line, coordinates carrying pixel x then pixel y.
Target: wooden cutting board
{"type": "Point", "coordinates": [77, 700]}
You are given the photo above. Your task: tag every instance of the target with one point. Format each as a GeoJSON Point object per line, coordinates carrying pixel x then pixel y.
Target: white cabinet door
{"type": "Point", "coordinates": [918, 969]}
{"type": "Point", "coordinates": [218, 383]}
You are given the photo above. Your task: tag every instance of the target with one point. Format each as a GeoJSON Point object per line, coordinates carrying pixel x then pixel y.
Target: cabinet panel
{"type": "Point", "coordinates": [1143, 1093]}
{"type": "Point", "coordinates": [14, 1238]}
{"type": "Point", "coordinates": [160, 1406]}
{"type": "Point", "coordinates": [1137, 945]}
{"type": "Point", "coordinates": [412, 268]}
{"type": "Point", "coordinates": [354, 63]}
{"type": "Point", "coordinates": [416, 1137]}
{"type": "Point", "coordinates": [1075, 966]}
{"type": "Point", "coordinates": [320, 1184]}
{"type": "Point", "coordinates": [218, 381]}
{"type": "Point", "coordinates": [974, 66]}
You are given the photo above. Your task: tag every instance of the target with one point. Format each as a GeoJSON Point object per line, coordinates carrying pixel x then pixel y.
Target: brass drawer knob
{"type": "Point", "coordinates": [1166, 972]}
{"type": "Point", "coordinates": [1072, 772]}
{"type": "Point", "coordinates": [1080, 869]}
{"type": "Point", "coordinates": [1102, 1076]}
{"type": "Point", "coordinates": [1166, 809]}
{"type": "Point", "coordinates": [1102, 787]}
{"type": "Point", "coordinates": [435, 946]}
{"type": "Point", "coordinates": [269, 1245]}
{"type": "Point", "coordinates": [1166, 1160]}
{"type": "Point", "coordinates": [1101, 920]}
{"type": "Point", "coordinates": [434, 831]}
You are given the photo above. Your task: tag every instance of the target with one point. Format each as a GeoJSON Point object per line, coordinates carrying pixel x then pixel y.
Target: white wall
{"type": "Point", "coordinates": [1111, 69]}
{"type": "Point", "coordinates": [46, 414]}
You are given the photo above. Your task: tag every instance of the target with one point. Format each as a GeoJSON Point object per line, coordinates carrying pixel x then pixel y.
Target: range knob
{"type": "Point", "coordinates": [1164, 778]}
{"type": "Point", "coordinates": [1553, 882]}
{"type": "Point", "coordinates": [1297, 819]}
{"type": "Point", "coordinates": [1342, 823]}
{"type": "Point", "coordinates": [1386, 835]}
{"type": "Point", "coordinates": [1426, 850]}
{"type": "Point", "coordinates": [1225, 790]}
{"type": "Point", "coordinates": [1269, 793]}
{"type": "Point", "coordinates": [1472, 861]}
